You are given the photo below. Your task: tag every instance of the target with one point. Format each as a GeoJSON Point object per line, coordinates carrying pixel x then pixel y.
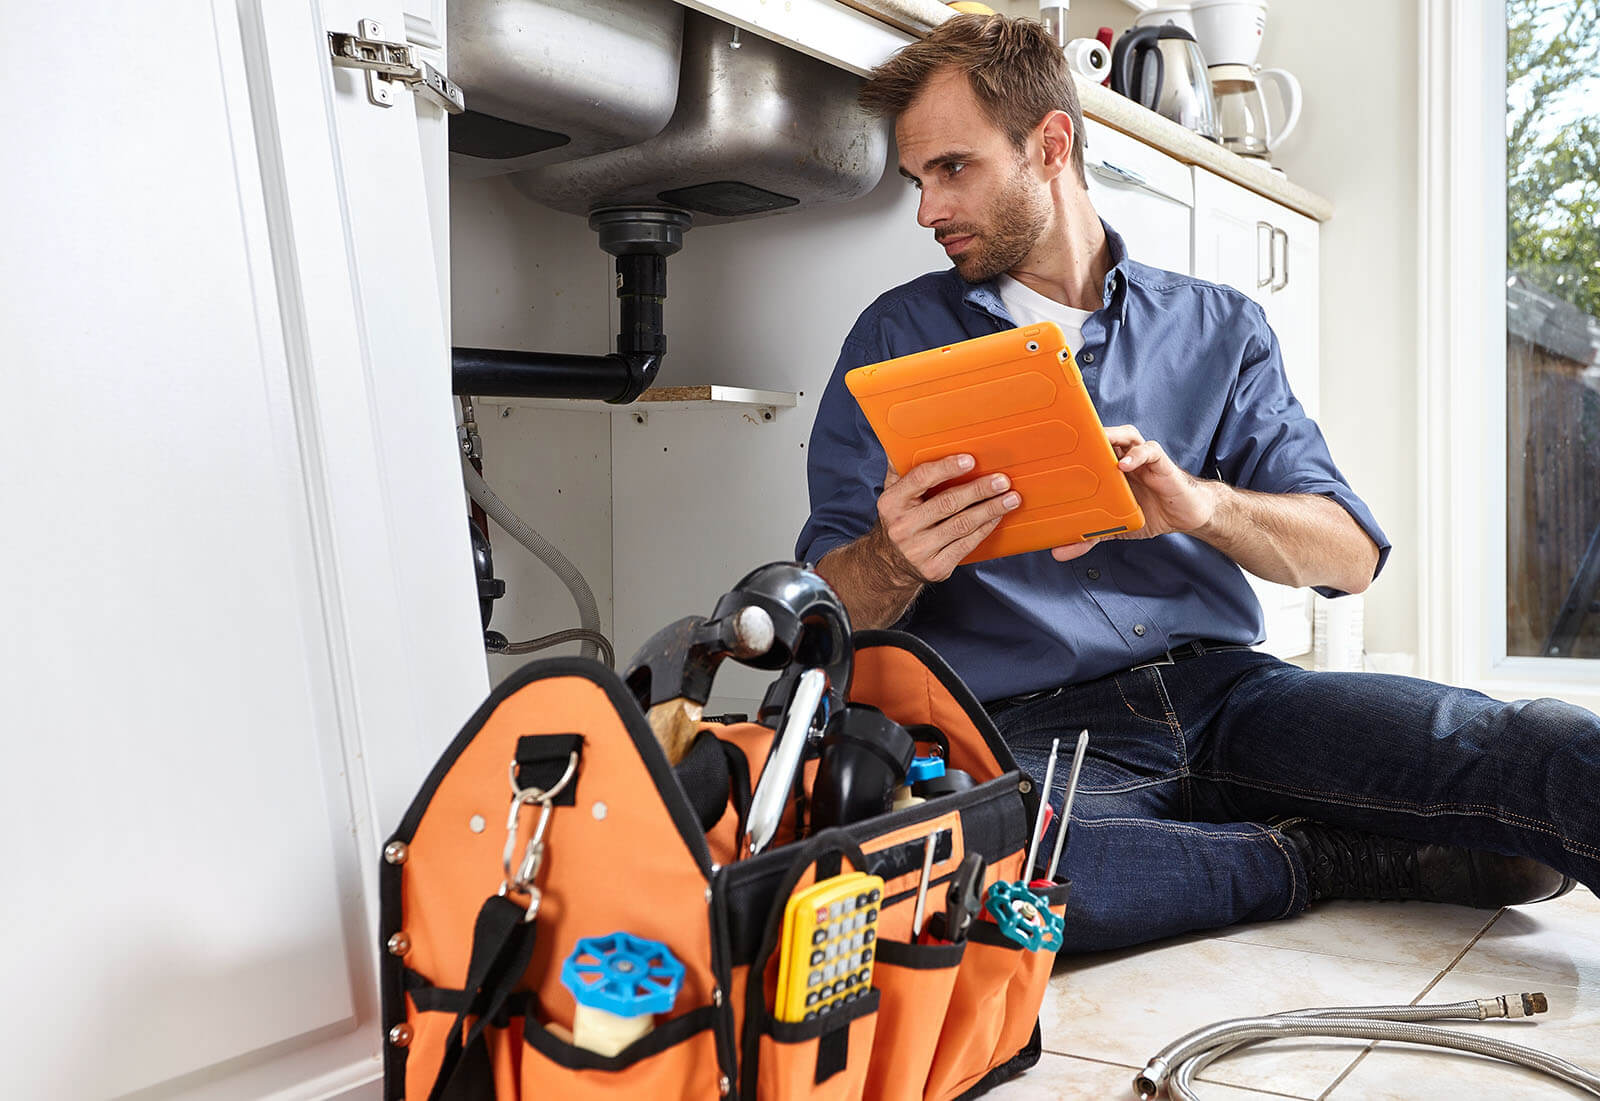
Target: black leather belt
{"type": "Point", "coordinates": [1195, 649]}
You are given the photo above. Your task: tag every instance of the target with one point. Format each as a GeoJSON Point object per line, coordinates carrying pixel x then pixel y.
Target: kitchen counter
{"type": "Point", "coordinates": [858, 34]}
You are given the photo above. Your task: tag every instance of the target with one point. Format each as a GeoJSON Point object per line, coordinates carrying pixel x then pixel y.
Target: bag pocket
{"type": "Point", "coordinates": [914, 982]}
{"type": "Point", "coordinates": [824, 1059]}
{"type": "Point", "coordinates": [675, 1061]}
{"type": "Point", "coordinates": [489, 1068]}
{"type": "Point", "coordinates": [994, 1007]}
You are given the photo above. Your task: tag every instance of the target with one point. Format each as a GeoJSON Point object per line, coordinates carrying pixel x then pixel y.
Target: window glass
{"type": "Point", "coordinates": [1553, 328]}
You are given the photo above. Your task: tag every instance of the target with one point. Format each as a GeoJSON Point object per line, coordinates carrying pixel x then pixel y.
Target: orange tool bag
{"type": "Point", "coordinates": [554, 816]}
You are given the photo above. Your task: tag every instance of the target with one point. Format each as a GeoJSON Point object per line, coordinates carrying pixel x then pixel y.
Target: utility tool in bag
{"type": "Point", "coordinates": [637, 930]}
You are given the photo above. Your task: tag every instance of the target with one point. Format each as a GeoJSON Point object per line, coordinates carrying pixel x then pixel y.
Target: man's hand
{"type": "Point", "coordinates": [1295, 539]}
{"type": "Point", "coordinates": [922, 534]}
{"type": "Point", "coordinates": [1170, 497]}
{"type": "Point", "coordinates": [929, 532]}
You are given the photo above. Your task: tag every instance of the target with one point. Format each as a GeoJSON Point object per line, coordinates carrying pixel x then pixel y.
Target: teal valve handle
{"type": "Point", "coordinates": [1024, 916]}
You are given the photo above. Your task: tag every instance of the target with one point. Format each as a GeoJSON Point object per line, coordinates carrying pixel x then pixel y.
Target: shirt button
{"type": "Point", "coordinates": [1094, 575]}
{"type": "Point", "coordinates": [1088, 357]}
{"type": "Point", "coordinates": [1138, 629]}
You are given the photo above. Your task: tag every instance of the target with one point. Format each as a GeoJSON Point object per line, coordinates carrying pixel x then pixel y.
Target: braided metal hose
{"type": "Point", "coordinates": [1180, 1061]}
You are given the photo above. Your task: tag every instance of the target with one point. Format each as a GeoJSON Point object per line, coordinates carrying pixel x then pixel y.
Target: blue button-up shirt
{"type": "Point", "coordinates": [1192, 365]}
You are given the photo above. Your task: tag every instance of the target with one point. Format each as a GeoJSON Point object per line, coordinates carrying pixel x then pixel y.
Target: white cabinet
{"type": "Point", "coordinates": [1143, 194]}
{"type": "Point", "coordinates": [1270, 253]}
{"type": "Point", "coordinates": [240, 613]}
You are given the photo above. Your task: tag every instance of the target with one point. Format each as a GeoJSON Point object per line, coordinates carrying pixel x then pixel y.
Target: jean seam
{"type": "Point", "coordinates": [1136, 714]}
{"type": "Point", "coordinates": [1134, 785]}
{"type": "Point", "coordinates": [1272, 835]}
{"type": "Point", "coordinates": [1186, 786]}
{"type": "Point", "coordinates": [1430, 810]}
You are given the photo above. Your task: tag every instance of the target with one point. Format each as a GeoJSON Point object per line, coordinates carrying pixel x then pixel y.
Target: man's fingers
{"type": "Point", "coordinates": [924, 476]}
{"type": "Point", "coordinates": [1124, 436]}
{"type": "Point", "coordinates": [957, 499]}
{"type": "Point", "coordinates": [948, 559]}
{"type": "Point", "coordinates": [1148, 453]}
{"type": "Point", "coordinates": [1073, 550]}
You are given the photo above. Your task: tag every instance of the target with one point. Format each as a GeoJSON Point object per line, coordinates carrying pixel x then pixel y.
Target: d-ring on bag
{"type": "Point", "coordinates": [555, 816]}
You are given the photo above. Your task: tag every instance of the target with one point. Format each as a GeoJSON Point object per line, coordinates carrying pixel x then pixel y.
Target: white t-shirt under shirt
{"type": "Point", "coordinates": [1029, 307]}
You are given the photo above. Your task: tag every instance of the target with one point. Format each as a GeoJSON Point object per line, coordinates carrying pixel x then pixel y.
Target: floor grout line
{"type": "Point", "coordinates": [1136, 1070]}
{"type": "Point", "coordinates": [1435, 981]}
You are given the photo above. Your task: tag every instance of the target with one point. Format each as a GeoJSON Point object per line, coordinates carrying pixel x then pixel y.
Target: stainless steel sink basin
{"type": "Point", "coordinates": [758, 129]}
{"type": "Point", "coordinates": [554, 80]}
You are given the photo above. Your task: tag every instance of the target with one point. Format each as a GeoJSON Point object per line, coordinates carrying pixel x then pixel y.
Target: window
{"type": "Point", "coordinates": [1552, 119]}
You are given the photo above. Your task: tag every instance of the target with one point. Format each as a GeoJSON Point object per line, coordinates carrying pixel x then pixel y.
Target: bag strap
{"type": "Point", "coordinates": [502, 947]}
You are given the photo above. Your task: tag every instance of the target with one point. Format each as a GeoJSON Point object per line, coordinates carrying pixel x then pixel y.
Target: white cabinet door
{"type": "Point", "coordinates": [1143, 194]}
{"type": "Point", "coordinates": [1270, 253]}
{"type": "Point", "coordinates": [239, 605]}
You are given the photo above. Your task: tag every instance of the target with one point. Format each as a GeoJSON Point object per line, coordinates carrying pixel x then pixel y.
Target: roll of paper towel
{"type": "Point", "coordinates": [1338, 643]}
{"type": "Point", "coordinates": [1089, 57]}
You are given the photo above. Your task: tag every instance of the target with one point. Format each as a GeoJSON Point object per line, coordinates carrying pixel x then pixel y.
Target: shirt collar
{"type": "Point", "coordinates": [985, 297]}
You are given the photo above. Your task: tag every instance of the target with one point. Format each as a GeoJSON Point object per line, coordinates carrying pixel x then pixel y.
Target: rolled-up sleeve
{"type": "Point", "coordinates": [844, 464]}
{"type": "Point", "coordinates": [1267, 443]}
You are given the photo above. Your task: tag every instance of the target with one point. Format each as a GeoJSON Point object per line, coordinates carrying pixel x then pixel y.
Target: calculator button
{"type": "Point", "coordinates": [816, 957]}
{"type": "Point", "coordinates": [872, 895]}
{"type": "Point", "coordinates": [872, 915]}
{"type": "Point", "coordinates": [818, 936]}
{"type": "Point", "coordinates": [814, 978]}
{"type": "Point", "coordinates": [869, 936]}
{"type": "Point", "coordinates": [811, 999]}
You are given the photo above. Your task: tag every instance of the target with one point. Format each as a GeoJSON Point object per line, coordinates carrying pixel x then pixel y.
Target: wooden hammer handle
{"type": "Point", "coordinates": [675, 723]}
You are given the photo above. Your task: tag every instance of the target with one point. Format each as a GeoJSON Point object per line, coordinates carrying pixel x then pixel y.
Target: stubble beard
{"type": "Point", "coordinates": [1018, 216]}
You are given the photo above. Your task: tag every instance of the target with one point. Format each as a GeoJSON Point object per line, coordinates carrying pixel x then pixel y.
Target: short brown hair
{"type": "Point", "coordinates": [1018, 74]}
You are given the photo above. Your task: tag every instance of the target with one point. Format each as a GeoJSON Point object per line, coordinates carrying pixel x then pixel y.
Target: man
{"type": "Point", "coordinates": [1379, 787]}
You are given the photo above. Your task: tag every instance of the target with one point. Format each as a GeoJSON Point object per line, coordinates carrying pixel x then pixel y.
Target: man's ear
{"type": "Point", "coordinates": [1056, 138]}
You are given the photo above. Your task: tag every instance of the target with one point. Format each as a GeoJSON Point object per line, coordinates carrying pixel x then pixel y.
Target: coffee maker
{"type": "Point", "coordinates": [1229, 34]}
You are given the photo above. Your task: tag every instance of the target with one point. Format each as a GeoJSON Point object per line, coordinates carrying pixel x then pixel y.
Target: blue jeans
{"type": "Point", "coordinates": [1187, 761]}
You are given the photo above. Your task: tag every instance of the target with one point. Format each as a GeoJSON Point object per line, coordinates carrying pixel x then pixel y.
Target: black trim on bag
{"type": "Point", "coordinates": [897, 860]}
{"type": "Point", "coordinates": [542, 760]}
{"type": "Point", "coordinates": [633, 721]}
{"type": "Point", "coordinates": [440, 999]}
{"type": "Point", "coordinates": [721, 966]}
{"type": "Point", "coordinates": [800, 1032]}
{"type": "Point", "coordinates": [993, 822]}
{"type": "Point", "coordinates": [920, 957]}
{"type": "Point", "coordinates": [1021, 1061]}
{"type": "Point", "coordinates": [654, 1042]}
{"type": "Point", "coordinates": [985, 931]}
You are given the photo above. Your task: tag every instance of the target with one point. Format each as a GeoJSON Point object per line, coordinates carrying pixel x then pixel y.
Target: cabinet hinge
{"type": "Point", "coordinates": [389, 63]}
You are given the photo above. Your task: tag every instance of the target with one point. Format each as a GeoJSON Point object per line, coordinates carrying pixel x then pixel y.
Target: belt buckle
{"type": "Point", "coordinates": [1166, 658]}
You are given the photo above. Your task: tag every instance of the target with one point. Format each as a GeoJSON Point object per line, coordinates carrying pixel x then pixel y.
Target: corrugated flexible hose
{"type": "Point", "coordinates": [542, 549]}
{"type": "Point", "coordinates": [1177, 1064]}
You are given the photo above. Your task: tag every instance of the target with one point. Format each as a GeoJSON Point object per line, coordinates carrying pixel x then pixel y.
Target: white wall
{"type": "Point", "coordinates": [1356, 144]}
{"type": "Point", "coordinates": [764, 304]}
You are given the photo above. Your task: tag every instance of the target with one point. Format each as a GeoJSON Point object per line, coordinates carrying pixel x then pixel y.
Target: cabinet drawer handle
{"type": "Point", "coordinates": [1115, 173]}
{"type": "Point", "coordinates": [1283, 235]}
{"type": "Point", "coordinates": [1272, 255]}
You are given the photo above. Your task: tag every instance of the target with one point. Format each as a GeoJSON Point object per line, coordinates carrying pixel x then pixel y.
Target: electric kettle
{"type": "Point", "coordinates": [1161, 68]}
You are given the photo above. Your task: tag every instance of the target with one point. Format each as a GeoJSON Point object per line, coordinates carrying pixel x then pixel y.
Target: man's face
{"type": "Point", "coordinates": [979, 195]}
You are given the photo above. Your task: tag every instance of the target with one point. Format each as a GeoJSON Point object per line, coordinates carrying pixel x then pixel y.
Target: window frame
{"type": "Point", "coordinates": [1461, 397]}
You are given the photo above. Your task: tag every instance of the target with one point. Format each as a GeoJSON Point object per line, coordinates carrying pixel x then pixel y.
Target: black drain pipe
{"type": "Point", "coordinates": [641, 238]}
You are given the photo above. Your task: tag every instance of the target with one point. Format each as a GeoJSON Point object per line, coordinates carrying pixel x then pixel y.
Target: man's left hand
{"type": "Point", "coordinates": [1170, 497]}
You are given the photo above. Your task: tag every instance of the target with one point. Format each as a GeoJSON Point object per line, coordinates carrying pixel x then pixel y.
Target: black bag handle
{"type": "Point", "coordinates": [502, 947]}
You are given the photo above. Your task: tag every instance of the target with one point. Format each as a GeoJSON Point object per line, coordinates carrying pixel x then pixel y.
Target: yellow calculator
{"type": "Point", "coordinates": [830, 933]}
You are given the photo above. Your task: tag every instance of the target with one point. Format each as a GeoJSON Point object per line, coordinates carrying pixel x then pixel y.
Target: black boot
{"type": "Point", "coordinates": [1342, 863]}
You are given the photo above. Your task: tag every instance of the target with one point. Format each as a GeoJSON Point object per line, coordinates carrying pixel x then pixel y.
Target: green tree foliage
{"type": "Point", "coordinates": [1553, 146]}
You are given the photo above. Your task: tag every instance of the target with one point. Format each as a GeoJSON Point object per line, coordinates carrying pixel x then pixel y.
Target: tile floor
{"type": "Point", "coordinates": [1106, 1014]}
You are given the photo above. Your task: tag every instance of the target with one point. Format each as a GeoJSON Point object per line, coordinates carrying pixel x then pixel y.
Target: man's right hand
{"type": "Point", "coordinates": [923, 533]}
{"type": "Point", "coordinates": [931, 532]}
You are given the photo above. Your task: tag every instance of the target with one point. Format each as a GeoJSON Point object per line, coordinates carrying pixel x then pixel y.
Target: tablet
{"type": "Point", "coordinates": [1015, 402]}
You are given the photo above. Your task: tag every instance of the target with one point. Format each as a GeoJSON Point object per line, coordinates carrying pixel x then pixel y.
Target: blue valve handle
{"type": "Point", "coordinates": [623, 974]}
{"type": "Point", "coordinates": [1024, 915]}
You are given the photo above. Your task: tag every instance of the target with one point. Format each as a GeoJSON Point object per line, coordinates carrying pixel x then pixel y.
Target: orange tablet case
{"type": "Point", "coordinates": [1015, 402]}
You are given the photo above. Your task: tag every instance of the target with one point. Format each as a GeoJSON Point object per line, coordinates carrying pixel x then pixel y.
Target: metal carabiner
{"type": "Point", "coordinates": [533, 853]}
